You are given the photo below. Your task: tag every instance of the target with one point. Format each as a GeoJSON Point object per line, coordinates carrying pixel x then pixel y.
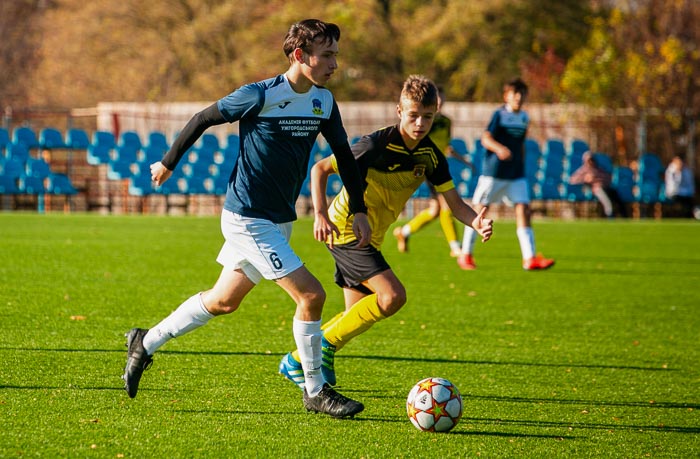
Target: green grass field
{"type": "Point", "coordinates": [597, 357]}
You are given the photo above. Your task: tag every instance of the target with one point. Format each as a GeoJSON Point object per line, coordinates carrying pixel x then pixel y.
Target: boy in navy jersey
{"type": "Point", "coordinates": [503, 176]}
{"type": "Point", "coordinates": [279, 120]}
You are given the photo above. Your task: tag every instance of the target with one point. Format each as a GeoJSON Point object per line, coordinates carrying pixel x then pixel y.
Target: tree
{"type": "Point", "coordinates": [18, 49]}
{"type": "Point", "coordinates": [644, 57]}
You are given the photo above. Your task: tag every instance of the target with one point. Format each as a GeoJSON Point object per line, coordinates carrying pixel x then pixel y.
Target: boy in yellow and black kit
{"type": "Point", "coordinates": [394, 162]}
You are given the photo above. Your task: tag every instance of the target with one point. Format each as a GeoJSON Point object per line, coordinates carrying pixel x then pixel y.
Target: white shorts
{"type": "Point", "coordinates": [490, 190]}
{"type": "Point", "coordinates": [257, 246]}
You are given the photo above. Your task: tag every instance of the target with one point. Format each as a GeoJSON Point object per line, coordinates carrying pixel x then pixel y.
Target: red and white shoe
{"type": "Point", "coordinates": [538, 262]}
{"type": "Point", "coordinates": [466, 262]}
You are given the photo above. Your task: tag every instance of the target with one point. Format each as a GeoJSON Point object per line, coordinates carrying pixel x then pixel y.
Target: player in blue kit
{"type": "Point", "coordinates": [279, 120]}
{"type": "Point", "coordinates": [503, 176]}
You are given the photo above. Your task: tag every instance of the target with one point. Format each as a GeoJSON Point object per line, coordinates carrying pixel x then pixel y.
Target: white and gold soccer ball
{"type": "Point", "coordinates": [434, 405]}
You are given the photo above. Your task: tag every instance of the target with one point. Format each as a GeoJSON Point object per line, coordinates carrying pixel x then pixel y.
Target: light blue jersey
{"type": "Point", "coordinates": [278, 128]}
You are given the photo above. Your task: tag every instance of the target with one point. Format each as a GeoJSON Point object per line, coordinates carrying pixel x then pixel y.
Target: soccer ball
{"type": "Point", "coordinates": [434, 405]}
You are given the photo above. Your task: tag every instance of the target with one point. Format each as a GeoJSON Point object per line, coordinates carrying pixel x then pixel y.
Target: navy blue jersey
{"type": "Point", "coordinates": [278, 128]}
{"type": "Point", "coordinates": [508, 128]}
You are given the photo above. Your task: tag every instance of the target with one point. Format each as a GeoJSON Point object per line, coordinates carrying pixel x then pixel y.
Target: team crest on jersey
{"type": "Point", "coordinates": [419, 170]}
{"type": "Point", "coordinates": [317, 109]}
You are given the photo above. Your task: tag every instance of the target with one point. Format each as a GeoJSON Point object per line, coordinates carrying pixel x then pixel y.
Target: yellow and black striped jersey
{"type": "Point", "coordinates": [441, 132]}
{"type": "Point", "coordinates": [392, 174]}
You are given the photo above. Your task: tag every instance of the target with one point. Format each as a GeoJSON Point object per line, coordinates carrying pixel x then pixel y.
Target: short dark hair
{"type": "Point", "coordinates": [517, 85]}
{"type": "Point", "coordinates": [304, 33]}
{"type": "Point", "coordinates": [418, 88]}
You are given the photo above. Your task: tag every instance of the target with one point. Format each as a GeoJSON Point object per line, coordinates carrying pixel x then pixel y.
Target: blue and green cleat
{"type": "Point", "coordinates": [328, 363]}
{"type": "Point", "coordinates": [292, 370]}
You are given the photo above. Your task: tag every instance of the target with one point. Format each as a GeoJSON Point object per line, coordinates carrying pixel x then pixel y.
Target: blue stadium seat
{"type": "Point", "coordinates": [17, 151]}
{"type": "Point", "coordinates": [124, 163]}
{"type": "Point", "coordinates": [554, 148]}
{"type": "Point", "coordinates": [98, 154]}
{"type": "Point", "coordinates": [533, 159]}
{"type": "Point", "coordinates": [130, 139]}
{"type": "Point", "coordinates": [650, 167]}
{"type": "Point", "coordinates": [423, 191]}
{"type": "Point", "coordinates": [4, 140]}
{"type": "Point", "coordinates": [26, 136]}
{"type": "Point", "coordinates": [199, 169]}
{"type": "Point", "coordinates": [51, 138]}
{"type": "Point", "coordinates": [10, 172]}
{"type": "Point", "coordinates": [117, 170]}
{"type": "Point", "coordinates": [603, 161]}
{"type": "Point", "coordinates": [649, 179]}
{"type": "Point", "coordinates": [174, 185]}
{"type": "Point", "coordinates": [157, 139]}
{"type": "Point", "coordinates": [141, 185]}
{"type": "Point", "coordinates": [577, 193]}
{"type": "Point", "coordinates": [127, 153]}
{"type": "Point", "coordinates": [549, 189]}
{"type": "Point", "coordinates": [103, 139]}
{"type": "Point", "coordinates": [32, 185]}
{"type": "Point", "coordinates": [221, 185]}
{"type": "Point", "coordinates": [152, 153]}
{"type": "Point", "coordinates": [11, 168]}
{"type": "Point", "coordinates": [77, 139]}
{"type": "Point", "coordinates": [8, 185]}
{"type": "Point", "coordinates": [335, 184]}
{"type": "Point", "coordinates": [578, 148]}
{"type": "Point", "coordinates": [60, 184]}
{"type": "Point", "coordinates": [623, 182]}
{"type": "Point", "coordinates": [459, 146]}
{"type": "Point", "coordinates": [204, 155]}
{"type": "Point", "coordinates": [476, 157]}
{"type": "Point", "coordinates": [207, 142]}
{"type": "Point", "coordinates": [37, 168]}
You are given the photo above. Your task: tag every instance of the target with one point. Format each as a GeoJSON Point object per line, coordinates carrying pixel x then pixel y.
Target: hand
{"type": "Point", "coordinates": [483, 226]}
{"type": "Point", "coordinates": [160, 173]}
{"type": "Point", "coordinates": [362, 230]}
{"type": "Point", "coordinates": [324, 229]}
{"type": "Point", "coordinates": [504, 154]}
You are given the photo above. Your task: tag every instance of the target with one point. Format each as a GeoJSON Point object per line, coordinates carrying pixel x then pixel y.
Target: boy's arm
{"type": "Point", "coordinates": [493, 145]}
{"type": "Point", "coordinates": [468, 216]}
{"type": "Point", "coordinates": [324, 229]}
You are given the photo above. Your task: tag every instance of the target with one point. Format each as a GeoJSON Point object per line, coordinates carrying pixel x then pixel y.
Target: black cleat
{"type": "Point", "coordinates": [332, 403]}
{"type": "Point", "coordinates": [136, 360]}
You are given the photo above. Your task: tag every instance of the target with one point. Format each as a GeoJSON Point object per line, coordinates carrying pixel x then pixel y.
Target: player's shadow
{"type": "Point", "coordinates": [492, 362]}
{"type": "Point", "coordinates": [578, 426]}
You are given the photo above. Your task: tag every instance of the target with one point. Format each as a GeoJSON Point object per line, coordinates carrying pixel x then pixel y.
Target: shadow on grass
{"type": "Point", "coordinates": [391, 420]}
{"type": "Point", "coordinates": [364, 357]}
{"type": "Point", "coordinates": [583, 425]}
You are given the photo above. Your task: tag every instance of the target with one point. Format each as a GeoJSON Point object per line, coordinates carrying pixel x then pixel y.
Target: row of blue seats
{"type": "Point", "coordinates": [208, 163]}
{"type": "Point", "coordinates": [34, 177]}
{"type": "Point", "coordinates": [548, 170]}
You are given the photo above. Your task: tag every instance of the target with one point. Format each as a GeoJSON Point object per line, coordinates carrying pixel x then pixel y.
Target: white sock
{"type": "Point", "coordinates": [454, 246]}
{"type": "Point", "coordinates": [406, 230]}
{"type": "Point", "coordinates": [189, 315]}
{"type": "Point", "coordinates": [526, 237]}
{"type": "Point", "coordinates": [307, 335]}
{"type": "Point", "coordinates": [468, 240]}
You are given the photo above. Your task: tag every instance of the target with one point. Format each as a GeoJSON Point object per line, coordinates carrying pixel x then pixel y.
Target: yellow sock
{"type": "Point", "coordinates": [420, 220]}
{"type": "Point", "coordinates": [355, 321]}
{"type": "Point", "coordinates": [448, 225]}
{"type": "Point", "coordinates": [334, 319]}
